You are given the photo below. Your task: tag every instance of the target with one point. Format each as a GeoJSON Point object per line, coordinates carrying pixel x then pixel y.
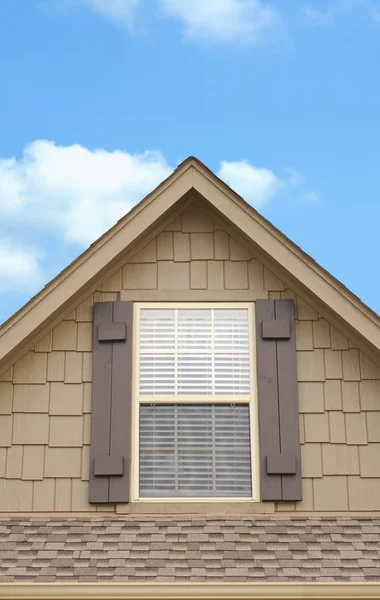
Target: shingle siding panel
{"type": "Point", "coordinates": [323, 351]}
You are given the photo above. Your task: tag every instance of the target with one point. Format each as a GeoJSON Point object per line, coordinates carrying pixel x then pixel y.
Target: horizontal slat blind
{"type": "Point", "coordinates": [195, 450]}
{"type": "Point", "coordinates": [194, 352]}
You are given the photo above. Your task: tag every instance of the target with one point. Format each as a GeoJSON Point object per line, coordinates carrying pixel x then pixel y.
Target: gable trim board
{"type": "Point", "coordinates": [344, 309]}
{"type": "Point", "coordinates": [186, 591]}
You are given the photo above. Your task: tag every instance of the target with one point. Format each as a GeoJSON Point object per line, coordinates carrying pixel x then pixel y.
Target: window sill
{"type": "Point", "coordinates": [204, 507]}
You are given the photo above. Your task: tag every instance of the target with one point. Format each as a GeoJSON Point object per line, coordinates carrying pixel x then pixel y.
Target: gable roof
{"type": "Point", "coordinates": [306, 277]}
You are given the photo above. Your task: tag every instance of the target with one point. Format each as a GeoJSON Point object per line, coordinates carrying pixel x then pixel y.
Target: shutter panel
{"type": "Point", "coordinates": [269, 431]}
{"type": "Point", "coordinates": [280, 453]}
{"type": "Point", "coordinates": [288, 402]}
{"type": "Point", "coordinates": [101, 403]}
{"type": "Point", "coordinates": [111, 402]}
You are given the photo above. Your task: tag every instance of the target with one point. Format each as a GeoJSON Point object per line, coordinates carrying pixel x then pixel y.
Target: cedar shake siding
{"type": "Point", "coordinates": [45, 398]}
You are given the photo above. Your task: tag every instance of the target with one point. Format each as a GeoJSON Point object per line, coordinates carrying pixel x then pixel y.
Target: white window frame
{"type": "Point", "coordinates": [250, 399]}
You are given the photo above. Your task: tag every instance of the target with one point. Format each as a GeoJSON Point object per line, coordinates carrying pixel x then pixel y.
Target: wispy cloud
{"type": "Point", "coordinates": [120, 12]}
{"type": "Point", "coordinates": [243, 21]}
{"type": "Point", "coordinates": [375, 14]}
{"type": "Point", "coordinates": [226, 21]}
{"type": "Point", "coordinates": [339, 8]}
{"type": "Point", "coordinates": [299, 186]}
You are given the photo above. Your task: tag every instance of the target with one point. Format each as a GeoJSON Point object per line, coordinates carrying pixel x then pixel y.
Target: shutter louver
{"type": "Point", "coordinates": [280, 453]}
{"type": "Point", "coordinates": [195, 450]}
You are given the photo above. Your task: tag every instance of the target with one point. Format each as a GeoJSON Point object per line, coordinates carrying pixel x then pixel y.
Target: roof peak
{"type": "Point", "coordinates": [191, 176]}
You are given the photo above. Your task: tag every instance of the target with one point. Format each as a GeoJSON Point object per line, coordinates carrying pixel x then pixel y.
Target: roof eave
{"type": "Point", "coordinates": [190, 591]}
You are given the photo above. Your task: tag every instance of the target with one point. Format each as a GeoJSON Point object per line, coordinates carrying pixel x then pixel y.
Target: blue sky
{"type": "Point", "coordinates": [101, 99]}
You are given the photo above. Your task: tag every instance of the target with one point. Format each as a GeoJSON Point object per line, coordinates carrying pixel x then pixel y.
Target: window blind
{"type": "Point", "coordinates": [194, 352]}
{"type": "Point", "coordinates": [195, 450]}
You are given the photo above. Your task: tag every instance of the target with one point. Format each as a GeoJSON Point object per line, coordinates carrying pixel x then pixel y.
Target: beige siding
{"type": "Point", "coordinates": [45, 399]}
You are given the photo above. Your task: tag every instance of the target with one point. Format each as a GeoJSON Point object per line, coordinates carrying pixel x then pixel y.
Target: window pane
{"type": "Point", "coordinates": [231, 330]}
{"type": "Point", "coordinates": [194, 329]}
{"type": "Point", "coordinates": [195, 450]}
{"type": "Point", "coordinates": [194, 374]}
{"type": "Point", "coordinates": [157, 374]}
{"type": "Point", "coordinates": [232, 448]}
{"type": "Point", "coordinates": [191, 351]}
{"type": "Point", "coordinates": [157, 329]}
{"type": "Point", "coordinates": [157, 450]}
{"type": "Point", "coordinates": [232, 374]}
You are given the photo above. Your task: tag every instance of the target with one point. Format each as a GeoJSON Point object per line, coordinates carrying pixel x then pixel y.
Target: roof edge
{"type": "Point", "coordinates": [290, 257]}
{"type": "Point", "coordinates": [79, 274]}
{"type": "Point", "coordinates": [97, 244]}
{"type": "Point", "coordinates": [193, 175]}
{"type": "Point", "coordinates": [289, 243]}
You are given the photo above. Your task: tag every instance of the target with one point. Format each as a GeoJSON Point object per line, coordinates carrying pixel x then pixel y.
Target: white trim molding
{"type": "Point", "coordinates": [189, 591]}
{"type": "Point", "coordinates": [139, 399]}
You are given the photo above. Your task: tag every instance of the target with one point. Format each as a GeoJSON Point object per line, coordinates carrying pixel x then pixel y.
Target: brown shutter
{"type": "Point", "coordinates": [111, 402]}
{"type": "Point", "coordinates": [280, 453]}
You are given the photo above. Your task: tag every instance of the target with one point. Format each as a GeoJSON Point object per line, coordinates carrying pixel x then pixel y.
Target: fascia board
{"type": "Point", "coordinates": [190, 591]}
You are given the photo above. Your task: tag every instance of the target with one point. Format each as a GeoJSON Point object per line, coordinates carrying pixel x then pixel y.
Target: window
{"type": "Point", "coordinates": [194, 406]}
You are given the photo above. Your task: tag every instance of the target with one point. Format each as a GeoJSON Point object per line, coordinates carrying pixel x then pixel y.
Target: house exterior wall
{"type": "Point", "coordinates": [45, 399]}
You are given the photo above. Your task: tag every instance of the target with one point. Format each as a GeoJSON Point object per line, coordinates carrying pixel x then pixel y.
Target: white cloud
{"type": "Point", "coordinates": [246, 21]}
{"type": "Point", "coordinates": [117, 11]}
{"type": "Point", "coordinates": [255, 184]}
{"type": "Point", "coordinates": [19, 268]}
{"type": "Point", "coordinates": [56, 198]}
{"type": "Point", "coordinates": [73, 190]}
{"type": "Point", "coordinates": [258, 185]}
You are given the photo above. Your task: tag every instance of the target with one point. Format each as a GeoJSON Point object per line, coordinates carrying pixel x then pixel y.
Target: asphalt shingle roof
{"type": "Point", "coordinates": [182, 548]}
